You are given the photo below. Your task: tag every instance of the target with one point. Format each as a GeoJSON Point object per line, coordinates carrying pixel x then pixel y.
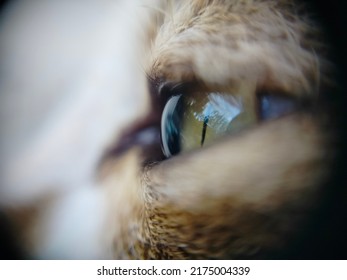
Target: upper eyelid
{"type": "Point", "coordinates": [166, 90]}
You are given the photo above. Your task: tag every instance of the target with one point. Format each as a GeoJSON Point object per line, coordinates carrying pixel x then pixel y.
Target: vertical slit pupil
{"type": "Point", "coordinates": [204, 127]}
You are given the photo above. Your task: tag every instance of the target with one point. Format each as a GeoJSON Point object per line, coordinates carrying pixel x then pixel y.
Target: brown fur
{"type": "Point", "coordinates": [249, 196]}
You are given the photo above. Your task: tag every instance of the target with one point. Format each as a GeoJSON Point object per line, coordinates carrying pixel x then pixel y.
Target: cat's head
{"type": "Point", "coordinates": [200, 129]}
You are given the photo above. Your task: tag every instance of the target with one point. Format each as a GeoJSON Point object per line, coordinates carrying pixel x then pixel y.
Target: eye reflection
{"type": "Point", "coordinates": [272, 106]}
{"type": "Point", "coordinates": [220, 109]}
{"type": "Point", "coordinates": [192, 121]}
{"type": "Point", "coordinates": [171, 126]}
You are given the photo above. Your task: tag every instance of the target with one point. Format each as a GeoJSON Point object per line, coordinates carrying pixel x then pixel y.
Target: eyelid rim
{"type": "Point", "coordinates": [163, 89]}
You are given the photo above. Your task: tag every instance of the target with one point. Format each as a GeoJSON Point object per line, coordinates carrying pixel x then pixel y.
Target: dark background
{"type": "Point", "coordinates": [328, 237]}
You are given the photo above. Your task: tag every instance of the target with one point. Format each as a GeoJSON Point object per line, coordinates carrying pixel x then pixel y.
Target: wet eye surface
{"type": "Point", "coordinates": [194, 120]}
{"type": "Point", "coordinates": [272, 106]}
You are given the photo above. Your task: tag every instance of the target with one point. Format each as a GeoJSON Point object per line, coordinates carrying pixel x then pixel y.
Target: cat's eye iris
{"type": "Point", "coordinates": [194, 120]}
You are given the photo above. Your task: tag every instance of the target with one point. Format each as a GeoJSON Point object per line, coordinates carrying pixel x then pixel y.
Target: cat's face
{"type": "Point", "coordinates": [195, 131]}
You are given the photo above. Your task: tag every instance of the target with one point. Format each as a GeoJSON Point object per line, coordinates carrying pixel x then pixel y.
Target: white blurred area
{"type": "Point", "coordinates": [70, 81]}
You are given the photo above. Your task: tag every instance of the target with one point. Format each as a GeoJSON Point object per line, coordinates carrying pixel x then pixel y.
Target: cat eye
{"type": "Point", "coordinates": [193, 120]}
